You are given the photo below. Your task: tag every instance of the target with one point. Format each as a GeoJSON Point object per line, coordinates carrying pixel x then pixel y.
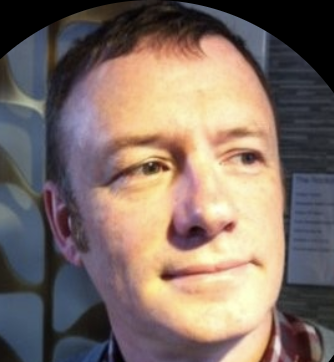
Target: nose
{"type": "Point", "coordinates": [203, 204]}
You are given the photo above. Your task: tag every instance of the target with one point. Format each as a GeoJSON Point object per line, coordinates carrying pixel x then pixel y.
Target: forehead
{"type": "Point", "coordinates": [141, 82]}
{"type": "Point", "coordinates": [172, 61]}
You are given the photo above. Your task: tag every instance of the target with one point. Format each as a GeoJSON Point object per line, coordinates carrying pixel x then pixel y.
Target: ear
{"type": "Point", "coordinates": [60, 223]}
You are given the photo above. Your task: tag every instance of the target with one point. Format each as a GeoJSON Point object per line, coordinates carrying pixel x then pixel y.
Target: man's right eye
{"type": "Point", "coordinates": [140, 172]}
{"type": "Point", "coordinates": [148, 168]}
{"type": "Point", "coordinates": [151, 168]}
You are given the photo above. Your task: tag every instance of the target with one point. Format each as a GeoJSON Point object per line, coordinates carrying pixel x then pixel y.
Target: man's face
{"type": "Point", "coordinates": [175, 167]}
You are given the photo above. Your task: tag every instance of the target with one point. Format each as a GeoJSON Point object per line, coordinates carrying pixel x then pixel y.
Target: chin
{"type": "Point", "coordinates": [215, 325]}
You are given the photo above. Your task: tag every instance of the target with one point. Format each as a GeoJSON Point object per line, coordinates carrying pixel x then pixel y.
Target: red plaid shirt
{"type": "Point", "coordinates": [292, 340]}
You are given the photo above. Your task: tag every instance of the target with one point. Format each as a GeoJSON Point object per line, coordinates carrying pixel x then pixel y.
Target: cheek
{"type": "Point", "coordinates": [270, 197]}
{"type": "Point", "coordinates": [263, 202]}
{"type": "Point", "coordinates": [126, 234]}
{"type": "Point", "coordinates": [263, 213]}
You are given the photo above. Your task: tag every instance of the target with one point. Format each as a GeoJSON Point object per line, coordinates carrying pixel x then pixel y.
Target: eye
{"type": "Point", "coordinates": [150, 168]}
{"type": "Point", "coordinates": [249, 158]}
{"type": "Point", "coordinates": [147, 169]}
{"type": "Point", "coordinates": [144, 170]}
{"type": "Point", "coordinates": [244, 160]}
{"type": "Point", "coordinates": [143, 174]}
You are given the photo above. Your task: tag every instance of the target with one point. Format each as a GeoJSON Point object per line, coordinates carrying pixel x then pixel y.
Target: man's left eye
{"type": "Point", "coordinates": [244, 159]}
{"type": "Point", "coordinates": [249, 158]}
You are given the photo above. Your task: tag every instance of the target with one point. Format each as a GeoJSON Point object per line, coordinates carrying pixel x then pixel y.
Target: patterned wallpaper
{"type": "Point", "coordinates": [48, 309]}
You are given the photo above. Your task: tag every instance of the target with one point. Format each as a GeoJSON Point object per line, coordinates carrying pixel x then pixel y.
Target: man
{"type": "Point", "coordinates": [165, 184]}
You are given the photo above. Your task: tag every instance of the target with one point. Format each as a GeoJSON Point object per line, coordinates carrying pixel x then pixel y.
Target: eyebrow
{"type": "Point", "coordinates": [241, 132]}
{"type": "Point", "coordinates": [129, 141]}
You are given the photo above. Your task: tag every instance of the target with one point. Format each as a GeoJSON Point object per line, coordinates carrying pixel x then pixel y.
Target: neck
{"type": "Point", "coordinates": [247, 348]}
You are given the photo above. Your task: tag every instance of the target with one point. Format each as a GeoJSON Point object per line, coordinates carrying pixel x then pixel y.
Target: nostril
{"type": "Point", "coordinates": [229, 227]}
{"type": "Point", "coordinates": [196, 231]}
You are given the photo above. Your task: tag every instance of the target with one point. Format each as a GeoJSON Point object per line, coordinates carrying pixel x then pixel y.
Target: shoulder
{"type": "Point", "coordinates": [94, 355]}
{"type": "Point", "coordinates": [327, 339]}
{"type": "Point", "coordinates": [305, 337]}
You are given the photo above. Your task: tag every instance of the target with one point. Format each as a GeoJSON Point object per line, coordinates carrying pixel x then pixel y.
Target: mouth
{"type": "Point", "coordinates": [225, 268]}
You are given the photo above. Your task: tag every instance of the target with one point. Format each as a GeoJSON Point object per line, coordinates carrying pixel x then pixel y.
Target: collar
{"type": "Point", "coordinates": [292, 340]}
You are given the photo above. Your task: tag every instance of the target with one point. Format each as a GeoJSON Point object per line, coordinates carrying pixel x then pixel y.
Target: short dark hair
{"type": "Point", "coordinates": [161, 23]}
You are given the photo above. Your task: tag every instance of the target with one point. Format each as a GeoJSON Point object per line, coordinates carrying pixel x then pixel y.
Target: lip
{"type": "Point", "coordinates": [194, 270]}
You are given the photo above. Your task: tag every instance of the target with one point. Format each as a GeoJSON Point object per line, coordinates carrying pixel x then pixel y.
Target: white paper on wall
{"type": "Point", "coordinates": [311, 239]}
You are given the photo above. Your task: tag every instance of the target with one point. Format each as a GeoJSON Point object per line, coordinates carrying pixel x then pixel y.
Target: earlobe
{"type": "Point", "coordinates": [60, 223]}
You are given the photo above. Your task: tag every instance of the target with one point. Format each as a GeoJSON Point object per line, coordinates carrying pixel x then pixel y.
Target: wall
{"type": "Point", "coordinates": [306, 112]}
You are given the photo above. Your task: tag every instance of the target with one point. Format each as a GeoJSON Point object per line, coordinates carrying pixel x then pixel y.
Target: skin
{"type": "Point", "coordinates": [174, 162]}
